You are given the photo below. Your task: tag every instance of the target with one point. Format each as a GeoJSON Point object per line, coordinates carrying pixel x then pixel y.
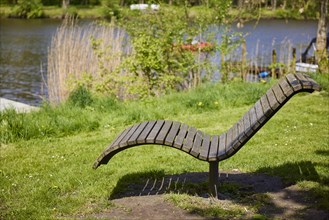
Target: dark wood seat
{"type": "Point", "coordinates": [211, 148]}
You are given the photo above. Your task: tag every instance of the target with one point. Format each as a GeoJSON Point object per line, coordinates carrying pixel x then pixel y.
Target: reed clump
{"type": "Point", "coordinates": [82, 55]}
{"type": "Point", "coordinates": [277, 60]}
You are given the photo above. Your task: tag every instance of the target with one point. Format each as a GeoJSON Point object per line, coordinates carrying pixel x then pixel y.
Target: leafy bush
{"type": "Point", "coordinates": [28, 9]}
{"type": "Point", "coordinates": [159, 62]}
{"type": "Point", "coordinates": [72, 12]}
{"type": "Point", "coordinates": [110, 9]}
{"type": "Point", "coordinates": [80, 97]}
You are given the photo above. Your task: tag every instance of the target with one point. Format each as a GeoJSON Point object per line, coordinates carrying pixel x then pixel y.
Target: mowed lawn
{"type": "Point", "coordinates": [52, 176]}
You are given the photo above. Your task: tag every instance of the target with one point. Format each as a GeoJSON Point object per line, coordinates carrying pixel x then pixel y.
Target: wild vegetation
{"type": "Point", "coordinates": [132, 60]}
{"type": "Point", "coordinates": [306, 9]}
{"type": "Point", "coordinates": [85, 57]}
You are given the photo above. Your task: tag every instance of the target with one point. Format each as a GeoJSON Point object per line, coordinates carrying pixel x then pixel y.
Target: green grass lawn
{"type": "Point", "coordinates": [46, 157]}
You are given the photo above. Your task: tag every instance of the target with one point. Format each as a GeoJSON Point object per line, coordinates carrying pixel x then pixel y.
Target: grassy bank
{"type": "Point", "coordinates": [91, 12]}
{"type": "Point", "coordinates": [46, 156]}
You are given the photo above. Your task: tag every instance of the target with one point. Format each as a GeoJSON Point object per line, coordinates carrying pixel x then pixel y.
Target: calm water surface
{"type": "Point", "coordinates": [24, 45]}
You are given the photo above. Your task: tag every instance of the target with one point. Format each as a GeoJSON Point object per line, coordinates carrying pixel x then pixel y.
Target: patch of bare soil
{"type": "Point", "coordinates": [146, 200]}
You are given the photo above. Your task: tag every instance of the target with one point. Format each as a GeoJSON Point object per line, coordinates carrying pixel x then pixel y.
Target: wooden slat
{"type": "Point", "coordinates": [118, 138]}
{"type": "Point", "coordinates": [205, 147]}
{"type": "Point", "coordinates": [306, 84]}
{"type": "Point", "coordinates": [235, 143]}
{"type": "Point", "coordinates": [121, 136]}
{"type": "Point", "coordinates": [196, 148]}
{"type": "Point", "coordinates": [142, 137]}
{"type": "Point", "coordinates": [315, 85]}
{"type": "Point", "coordinates": [181, 136]}
{"type": "Point", "coordinates": [266, 106]}
{"type": "Point", "coordinates": [279, 94]}
{"type": "Point", "coordinates": [213, 150]}
{"type": "Point", "coordinates": [235, 131]}
{"type": "Point", "coordinates": [221, 145]}
{"type": "Point", "coordinates": [188, 143]}
{"type": "Point", "coordinates": [124, 141]}
{"type": "Point", "coordinates": [172, 133]}
{"type": "Point", "coordinates": [240, 127]}
{"type": "Point", "coordinates": [294, 82]}
{"type": "Point", "coordinates": [253, 118]}
{"type": "Point", "coordinates": [247, 128]}
{"type": "Point", "coordinates": [241, 136]}
{"type": "Point", "coordinates": [229, 137]}
{"type": "Point", "coordinates": [286, 87]}
{"type": "Point", "coordinates": [231, 140]}
{"type": "Point", "coordinates": [133, 139]}
{"type": "Point", "coordinates": [164, 132]}
{"type": "Point", "coordinates": [150, 139]}
{"type": "Point", "coordinates": [274, 104]}
{"type": "Point", "coordinates": [236, 136]}
{"type": "Point", "coordinates": [259, 112]}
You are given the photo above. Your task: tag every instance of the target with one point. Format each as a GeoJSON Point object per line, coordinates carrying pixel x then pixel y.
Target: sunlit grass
{"type": "Point", "coordinates": [50, 175]}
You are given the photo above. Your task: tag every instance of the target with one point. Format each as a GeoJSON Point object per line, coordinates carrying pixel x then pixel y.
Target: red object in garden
{"type": "Point", "coordinates": [203, 46]}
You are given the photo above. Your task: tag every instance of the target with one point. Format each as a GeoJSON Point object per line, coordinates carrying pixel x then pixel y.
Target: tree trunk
{"type": "Point", "coordinates": [321, 38]}
{"type": "Point", "coordinates": [273, 3]}
{"type": "Point", "coordinates": [65, 4]}
{"type": "Point", "coordinates": [284, 4]}
{"type": "Point", "coordinates": [240, 4]}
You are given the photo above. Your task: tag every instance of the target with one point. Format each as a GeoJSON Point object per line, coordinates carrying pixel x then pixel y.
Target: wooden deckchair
{"type": "Point", "coordinates": [211, 148]}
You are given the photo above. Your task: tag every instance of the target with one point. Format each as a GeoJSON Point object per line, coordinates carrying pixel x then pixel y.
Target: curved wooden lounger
{"type": "Point", "coordinates": [211, 148]}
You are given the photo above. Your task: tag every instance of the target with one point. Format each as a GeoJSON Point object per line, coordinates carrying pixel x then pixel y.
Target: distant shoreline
{"type": "Point", "coordinates": [95, 12]}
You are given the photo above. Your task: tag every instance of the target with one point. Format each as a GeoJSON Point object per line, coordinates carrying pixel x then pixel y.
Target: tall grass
{"type": "Point", "coordinates": [84, 112]}
{"type": "Point", "coordinates": [72, 56]}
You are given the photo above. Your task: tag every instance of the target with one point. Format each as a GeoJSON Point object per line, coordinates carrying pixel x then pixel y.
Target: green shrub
{"type": "Point", "coordinates": [72, 12]}
{"type": "Point", "coordinates": [28, 9]}
{"type": "Point", "coordinates": [80, 97]}
{"type": "Point", "coordinates": [110, 10]}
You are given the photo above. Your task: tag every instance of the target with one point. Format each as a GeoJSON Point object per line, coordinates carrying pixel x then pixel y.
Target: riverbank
{"type": "Point", "coordinates": [97, 12]}
{"type": "Point", "coordinates": [54, 12]}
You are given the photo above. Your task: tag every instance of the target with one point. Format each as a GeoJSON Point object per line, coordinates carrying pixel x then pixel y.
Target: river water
{"type": "Point", "coordinates": [24, 45]}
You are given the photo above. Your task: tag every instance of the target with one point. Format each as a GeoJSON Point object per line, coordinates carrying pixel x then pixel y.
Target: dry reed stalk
{"type": "Point", "coordinates": [71, 55]}
{"type": "Point", "coordinates": [285, 56]}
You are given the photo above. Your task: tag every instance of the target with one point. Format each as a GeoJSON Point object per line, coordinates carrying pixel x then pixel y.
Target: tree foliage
{"type": "Point", "coordinates": [160, 58]}
{"type": "Point", "coordinates": [159, 61]}
{"type": "Point", "coordinates": [28, 9]}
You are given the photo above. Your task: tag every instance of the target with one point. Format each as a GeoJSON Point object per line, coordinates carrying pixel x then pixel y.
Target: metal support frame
{"type": "Point", "coordinates": [213, 178]}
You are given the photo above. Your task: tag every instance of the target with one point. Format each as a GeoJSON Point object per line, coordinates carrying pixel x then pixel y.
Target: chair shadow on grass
{"type": "Point", "coordinates": [266, 179]}
{"type": "Point", "coordinates": [240, 188]}
{"type": "Point", "coordinates": [322, 152]}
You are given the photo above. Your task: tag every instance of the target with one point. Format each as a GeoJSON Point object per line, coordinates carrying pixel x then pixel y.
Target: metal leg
{"type": "Point", "coordinates": [213, 178]}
